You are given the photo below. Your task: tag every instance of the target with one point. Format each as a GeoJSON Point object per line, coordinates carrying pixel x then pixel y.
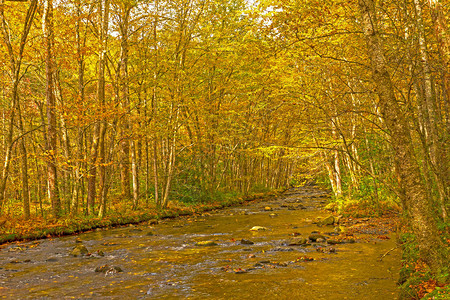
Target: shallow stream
{"type": "Point", "coordinates": [163, 261]}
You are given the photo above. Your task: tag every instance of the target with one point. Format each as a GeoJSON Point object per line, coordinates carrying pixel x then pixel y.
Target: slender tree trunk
{"type": "Point", "coordinates": [52, 173]}
{"type": "Point", "coordinates": [99, 126]}
{"type": "Point", "coordinates": [135, 174]}
{"type": "Point", "coordinates": [81, 96]}
{"type": "Point", "coordinates": [103, 188]}
{"type": "Point", "coordinates": [431, 120]}
{"type": "Point", "coordinates": [125, 11]}
{"type": "Point", "coordinates": [441, 32]}
{"type": "Point", "coordinates": [155, 106]}
{"type": "Point", "coordinates": [24, 170]}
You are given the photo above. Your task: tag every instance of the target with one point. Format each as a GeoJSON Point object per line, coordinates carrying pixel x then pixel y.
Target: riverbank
{"type": "Point", "coordinates": [415, 279]}
{"type": "Point", "coordinates": [14, 230]}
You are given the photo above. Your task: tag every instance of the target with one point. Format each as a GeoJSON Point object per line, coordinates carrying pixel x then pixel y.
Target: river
{"type": "Point", "coordinates": [166, 261]}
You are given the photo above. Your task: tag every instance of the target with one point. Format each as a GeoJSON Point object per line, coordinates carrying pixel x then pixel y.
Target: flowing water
{"type": "Point", "coordinates": [163, 261]}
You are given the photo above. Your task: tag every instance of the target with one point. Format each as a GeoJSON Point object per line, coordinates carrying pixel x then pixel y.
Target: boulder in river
{"type": "Point", "coordinates": [206, 243]}
{"type": "Point", "coordinates": [258, 228]}
{"type": "Point", "coordinates": [79, 250]}
{"type": "Point", "coordinates": [51, 259]}
{"type": "Point", "coordinates": [328, 221]}
{"type": "Point", "coordinates": [246, 242]}
{"type": "Point", "coordinates": [108, 269]}
{"type": "Point", "coordinates": [313, 237]}
{"type": "Point", "coordinates": [239, 271]}
{"type": "Point", "coordinates": [298, 241]}
{"type": "Point", "coordinates": [333, 242]}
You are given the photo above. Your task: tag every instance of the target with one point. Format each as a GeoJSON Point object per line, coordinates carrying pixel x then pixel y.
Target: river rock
{"type": "Point", "coordinates": [79, 250]}
{"type": "Point", "coordinates": [246, 242]}
{"type": "Point", "coordinates": [340, 229]}
{"type": "Point", "coordinates": [240, 271]}
{"type": "Point", "coordinates": [328, 221]}
{"type": "Point", "coordinates": [258, 228]}
{"type": "Point", "coordinates": [315, 236]}
{"type": "Point", "coordinates": [206, 243]}
{"type": "Point", "coordinates": [298, 241]}
{"type": "Point", "coordinates": [268, 208]}
{"type": "Point", "coordinates": [108, 269]}
{"type": "Point", "coordinates": [304, 258]}
{"type": "Point", "coordinates": [273, 215]}
{"type": "Point", "coordinates": [51, 259]}
{"type": "Point", "coordinates": [333, 242]}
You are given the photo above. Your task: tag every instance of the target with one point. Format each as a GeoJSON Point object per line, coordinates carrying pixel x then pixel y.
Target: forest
{"type": "Point", "coordinates": [112, 107]}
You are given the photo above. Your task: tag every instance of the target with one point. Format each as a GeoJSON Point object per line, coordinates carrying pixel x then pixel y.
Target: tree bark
{"type": "Point", "coordinates": [103, 11]}
{"type": "Point", "coordinates": [431, 117]}
{"type": "Point", "coordinates": [52, 173]}
{"type": "Point", "coordinates": [415, 197]}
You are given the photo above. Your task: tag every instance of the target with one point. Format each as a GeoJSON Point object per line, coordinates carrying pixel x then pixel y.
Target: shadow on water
{"type": "Point", "coordinates": [165, 261]}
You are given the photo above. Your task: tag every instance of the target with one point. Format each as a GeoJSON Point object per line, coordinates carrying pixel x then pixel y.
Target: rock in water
{"type": "Point", "coordinates": [206, 243]}
{"type": "Point", "coordinates": [246, 242]}
{"type": "Point", "coordinates": [108, 269]}
{"type": "Point", "coordinates": [315, 236]}
{"type": "Point", "coordinates": [258, 228]}
{"type": "Point", "coordinates": [327, 221]}
{"type": "Point", "coordinates": [296, 241]}
{"type": "Point", "coordinates": [333, 242]}
{"type": "Point", "coordinates": [79, 250]}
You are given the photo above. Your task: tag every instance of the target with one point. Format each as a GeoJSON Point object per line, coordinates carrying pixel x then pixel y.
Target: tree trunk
{"type": "Point", "coordinates": [99, 126]}
{"type": "Point", "coordinates": [441, 32]}
{"type": "Point", "coordinates": [415, 197]}
{"type": "Point", "coordinates": [24, 170]}
{"type": "Point", "coordinates": [431, 118]}
{"type": "Point", "coordinates": [52, 173]}
{"type": "Point", "coordinates": [15, 65]}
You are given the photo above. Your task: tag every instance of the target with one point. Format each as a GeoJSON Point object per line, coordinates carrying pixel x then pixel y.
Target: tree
{"type": "Point", "coordinates": [15, 64]}
{"type": "Point", "coordinates": [413, 191]}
